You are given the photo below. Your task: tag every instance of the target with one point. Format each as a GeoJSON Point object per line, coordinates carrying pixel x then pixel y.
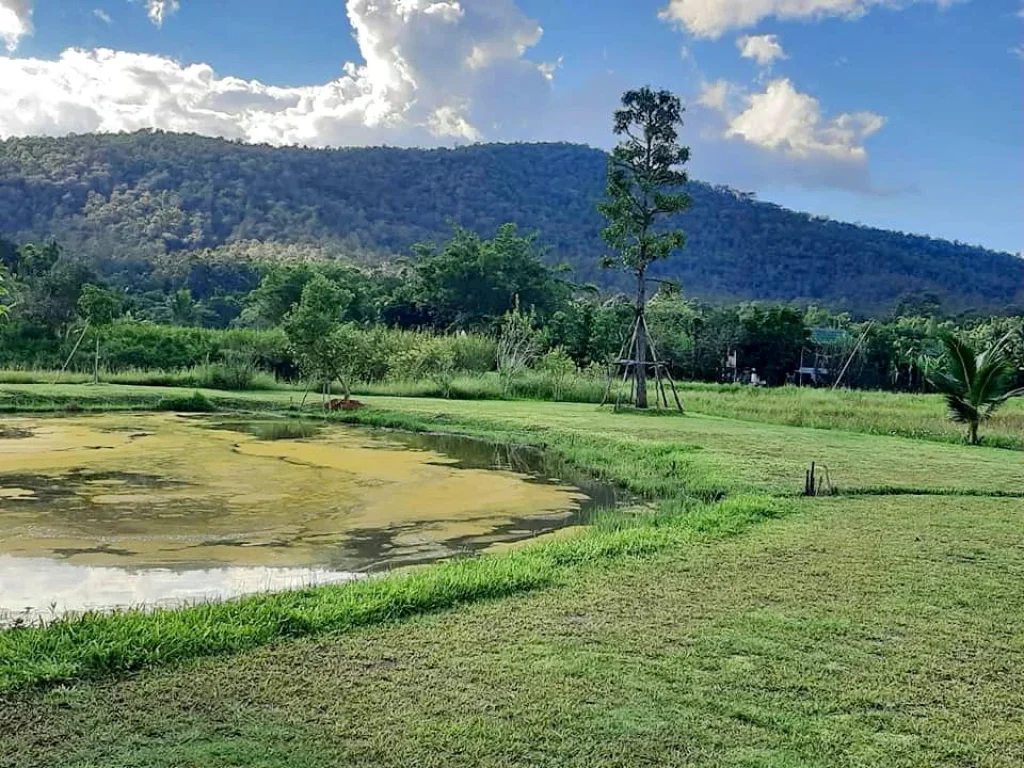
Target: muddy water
{"type": "Point", "coordinates": [116, 510]}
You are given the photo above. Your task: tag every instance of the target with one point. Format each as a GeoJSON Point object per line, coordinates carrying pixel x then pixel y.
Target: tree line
{"type": "Point", "coordinates": [464, 289]}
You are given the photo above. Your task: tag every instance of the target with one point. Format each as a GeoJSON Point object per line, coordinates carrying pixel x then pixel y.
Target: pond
{"type": "Point", "coordinates": [107, 511]}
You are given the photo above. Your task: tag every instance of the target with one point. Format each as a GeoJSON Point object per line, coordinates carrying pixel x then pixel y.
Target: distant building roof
{"type": "Point", "coordinates": [828, 335]}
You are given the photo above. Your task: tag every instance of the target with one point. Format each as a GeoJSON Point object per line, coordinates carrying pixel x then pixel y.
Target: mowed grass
{"type": "Point", "coordinates": [919, 416]}
{"type": "Point", "coordinates": [922, 417]}
{"type": "Point", "coordinates": [851, 632]}
{"type": "Point", "coordinates": [656, 455]}
{"type": "Point", "coordinates": [713, 456]}
{"type": "Point", "coordinates": [724, 622]}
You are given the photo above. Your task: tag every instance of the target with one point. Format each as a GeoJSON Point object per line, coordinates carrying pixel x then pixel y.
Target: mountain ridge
{"type": "Point", "coordinates": [135, 199]}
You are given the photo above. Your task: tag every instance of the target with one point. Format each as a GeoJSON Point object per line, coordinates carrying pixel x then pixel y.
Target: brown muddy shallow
{"type": "Point", "coordinates": [151, 509]}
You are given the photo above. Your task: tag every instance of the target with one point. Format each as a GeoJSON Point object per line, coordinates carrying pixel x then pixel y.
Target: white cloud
{"type": "Point", "coordinates": [102, 15]}
{"type": "Point", "coordinates": [710, 18]}
{"type": "Point", "coordinates": [433, 71]}
{"type": "Point", "coordinates": [15, 21]}
{"type": "Point", "coordinates": [764, 49]}
{"type": "Point", "coordinates": [716, 95]}
{"type": "Point", "coordinates": [774, 134]}
{"type": "Point", "coordinates": [782, 119]}
{"type": "Point", "coordinates": [158, 10]}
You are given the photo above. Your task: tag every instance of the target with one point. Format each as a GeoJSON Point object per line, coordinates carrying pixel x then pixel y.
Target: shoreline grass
{"type": "Point", "coordinates": [853, 632]}
{"type": "Point", "coordinates": [696, 491]}
{"type": "Point", "coordinates": [96, 645]}
{"type": "Point", "coordinates": [914, 416]}
{"type": "Point", "coordinates": [687, 505]}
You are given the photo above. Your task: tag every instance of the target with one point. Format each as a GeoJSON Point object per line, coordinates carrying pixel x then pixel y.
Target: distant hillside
{"type": "Point", "coordinates": [126, 199]}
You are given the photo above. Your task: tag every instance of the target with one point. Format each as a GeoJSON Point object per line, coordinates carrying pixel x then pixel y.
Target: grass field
{"type": "Point", "coordinates": [921, 417]}
{"type": "Point", "coordinates": [731, 623]}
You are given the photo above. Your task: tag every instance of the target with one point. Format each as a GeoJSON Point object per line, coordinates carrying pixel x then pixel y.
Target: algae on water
{"type": "Point", "coordinates": [141, 505]}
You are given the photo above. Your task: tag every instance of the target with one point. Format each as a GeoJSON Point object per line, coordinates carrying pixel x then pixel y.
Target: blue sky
{"type": "Point", "coordinates": [905, 114]}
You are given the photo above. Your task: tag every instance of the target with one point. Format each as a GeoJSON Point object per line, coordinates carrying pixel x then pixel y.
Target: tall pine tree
{"type": "Point", "coordinates": [645, 177]}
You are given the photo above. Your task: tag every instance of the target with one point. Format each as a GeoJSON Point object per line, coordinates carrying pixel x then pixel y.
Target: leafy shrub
{"type": "Point", "coordinates": [435, 359]}
{"type": "Point", "coordinates": [558, 367]}
{"type": "Point", "coordinates": [235, 373]}
{"type": "Point", "coordinates": [388, 353]}
{"type": "Point", "coordinates": [474, 353]}
{"type": "Point", "coordinates": [197, 402]}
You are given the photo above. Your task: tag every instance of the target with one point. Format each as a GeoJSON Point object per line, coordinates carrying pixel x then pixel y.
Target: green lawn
{"type": "Point", "coordinates": [922, 417]}
{"type": "Point", "coordinates": [878, 628]}
{"type": "Point", "coordinates": [856, 632]}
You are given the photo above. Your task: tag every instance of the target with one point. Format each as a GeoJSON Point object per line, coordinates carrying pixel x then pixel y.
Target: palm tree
{"type": "Point", "coordinates": [975, 385]}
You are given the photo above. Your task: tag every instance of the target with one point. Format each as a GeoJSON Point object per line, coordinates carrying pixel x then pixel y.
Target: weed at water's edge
{"type": "Point", "coordinates": [197, 402]}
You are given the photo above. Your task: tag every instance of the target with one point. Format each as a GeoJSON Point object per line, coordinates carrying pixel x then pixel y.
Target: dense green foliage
{"type": "Point", "coordinates": [145, 208]}
{"type": "Point", "coordinates": [975, 384]}
{"type": "Point", "coordinates": [379, 325]}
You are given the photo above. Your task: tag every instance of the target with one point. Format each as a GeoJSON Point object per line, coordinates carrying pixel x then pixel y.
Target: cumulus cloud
{"type": "Point", "coordinates": [158, 10]}
{"type": "Point", "coordinates": [15, 21]}
{"type": "Point", "coordinates": [710, 18]}
{"type": "Point", "coordinates": [782, 119]}
{"type": "Point", "coordinates": [716, 94]}
{"type": "Point", "coordinates": [764, 49]}
{"type": "Point", "coordinates": [433, 71]}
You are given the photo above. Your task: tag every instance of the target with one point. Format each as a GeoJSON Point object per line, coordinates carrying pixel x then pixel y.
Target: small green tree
{"type": "Point", "coordinates": [435, 359]}
{"type": "Point", "coordinates": [517, 346]}
{"type": "Point", "coordinates": [645, 177]}
{"type": "Point", "coordinates": [975, 384]}
{"type": "Point", "coordinates": [100, 307]}
{"type": "Point", "coordinates": [557, 366]}
{"type": "Point", "coordinates": [312, 328]}
{"type": "Point", "coordinates": [347, 354]}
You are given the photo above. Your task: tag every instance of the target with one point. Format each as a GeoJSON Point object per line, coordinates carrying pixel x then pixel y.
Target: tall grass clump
{"type": "Point", "coordinates": [474, 353]}
{"type": "Point", "coordinates": [582, 387]}
{"type": "Point", "coordinates": [285, 430]}
{"type": "Point", "coordinates": [197, 402]}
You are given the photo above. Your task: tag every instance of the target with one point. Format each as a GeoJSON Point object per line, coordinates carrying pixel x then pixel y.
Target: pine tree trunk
{"type": "Point", "coordinates": [96, 362]}
{"type": "Point", "coordinates": [641, 342]}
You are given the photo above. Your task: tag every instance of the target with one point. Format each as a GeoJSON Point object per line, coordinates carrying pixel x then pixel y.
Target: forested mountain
{"type": "Point", "coordinates": [131, 203]}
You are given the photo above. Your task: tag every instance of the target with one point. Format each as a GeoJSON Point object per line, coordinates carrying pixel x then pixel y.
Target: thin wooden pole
{"type": "Point", "coordinates": [627, 363]}
{"type": "Point", "coordinates": [77, 344]}
{"type": "Point", "coordinates": [660, 374]}
{"type": "Point", "coordinates": [853, 355]}
{"type": "Point", "coordinates": [672, 383]}
{"type": "Point", "coordinates": [675, 392]}
{"type": "Point", "coordinates": [612, 376]}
